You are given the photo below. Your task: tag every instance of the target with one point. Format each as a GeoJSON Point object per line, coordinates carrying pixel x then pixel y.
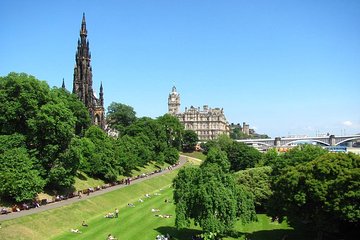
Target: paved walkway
{"type": "Point", "coordinates": [182, 161]}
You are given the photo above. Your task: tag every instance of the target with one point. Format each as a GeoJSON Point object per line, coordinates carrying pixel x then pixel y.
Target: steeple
{"type": "Point", "coordinates": [83, 31]}
{"type": "Point", "coordinates": [82, 84]}
{"type": "Point", "coordinates": [63, 84]}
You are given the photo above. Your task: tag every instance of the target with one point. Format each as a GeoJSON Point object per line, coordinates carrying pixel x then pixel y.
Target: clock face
{"type": "Point", "coordinates": [172, 99]}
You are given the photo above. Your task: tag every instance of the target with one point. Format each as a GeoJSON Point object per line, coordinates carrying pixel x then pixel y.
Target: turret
{"type": "Point", "coordinates": [101, 95]}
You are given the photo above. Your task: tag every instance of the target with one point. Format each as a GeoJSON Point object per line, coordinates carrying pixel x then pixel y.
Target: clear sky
{"type": "Point", "coordinates": [285, 67]}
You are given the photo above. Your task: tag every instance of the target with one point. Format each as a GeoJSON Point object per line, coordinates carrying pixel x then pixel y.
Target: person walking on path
{"type": "Point", "coordinates": [116, 212]}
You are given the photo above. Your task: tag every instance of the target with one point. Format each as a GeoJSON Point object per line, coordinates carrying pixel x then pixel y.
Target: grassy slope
{"type": "Point", "coordinates": [83, 181]}
{"type": "Point", "coordinates": [198, 155]}
{"type": "Point", "coordinates": [54, 222]}
{"type": "Point", "coordinates": [133, 223]}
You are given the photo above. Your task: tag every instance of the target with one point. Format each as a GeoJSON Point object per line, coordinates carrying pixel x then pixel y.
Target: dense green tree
{"type": "Point", "coordinates": [190, 139]}
{"type": "Point", "coordinates": [242, 156]}
{"type": "Point", "coordinates": [155, 133]}
{"type": "Point", "coordinates": [257, 181]}
{"type": "Point", "coordinates": [323, 193]}
{"type": "Point", "coordinates": [171, 155]}
{"type": "Point", "coordinates": [174, 130]}
{"type": "Point", "coordinates": [219, 157]}
{"type": "Point", "coordinates": [297, 155]}
{"type": "Point", "coordinates": [125, 153]}
{"type": "Point", "coordinates": [78, 109]}
{"type": "Point", "coordinates": [236, 133]}
{"type": "Point", "coordinates": [102, 161]}
{"type": "Point", "coordinates": [210, 198]}
{"type": "Point", "coordinates": [62, 175]}
{"type": "Point", "coordinates": [19, 180]}
{"type": "Point", "coordinates": [21, 96]}
{"type": "Point", "coordinates": [222, 142]}
{"type": "Point", "coordinates": [51, 131]}
{"type": "Point", "coordinates": [120, 116]}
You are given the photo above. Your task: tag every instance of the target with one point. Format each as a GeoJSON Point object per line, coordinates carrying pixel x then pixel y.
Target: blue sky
{"type": "Point", "coordinates": [285, 67]}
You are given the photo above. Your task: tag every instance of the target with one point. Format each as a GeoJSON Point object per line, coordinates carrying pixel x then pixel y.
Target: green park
{"type": "Point", "coordinates": [50, 151]}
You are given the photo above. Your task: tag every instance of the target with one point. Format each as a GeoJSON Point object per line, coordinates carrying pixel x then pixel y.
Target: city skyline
{"type": "Point", "coordinates": [285, 68]}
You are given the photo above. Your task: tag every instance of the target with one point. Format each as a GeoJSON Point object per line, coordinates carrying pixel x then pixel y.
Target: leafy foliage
{"type": "Point", "coordinates": [76, 107]}
{"type": "Point", "coordinates": [174, 130]}
{"type": "Point", "coordinates": [257, 181]}
{"type": "Point", "coordinates": [239, 155]}
{"type": "Point", "coordinates": [21, 96]}
{"type": "Point", "coordinates": [19, 180]}
{"type": "Point", "coordinates": [323, 192]}
{"type": "Point", "coordinates": [120, 116]}
{"type": "Point", "coordinates": [190, 140]}
{"type": "Point", "coordinates": [211, 198]}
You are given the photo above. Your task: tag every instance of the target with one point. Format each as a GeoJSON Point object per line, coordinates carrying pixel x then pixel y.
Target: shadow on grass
{"type": "Point", "coordinates": [184, 233]}
{"type": "Point", "coordinates": [276, 234]}
{"type": "Point", "coordinates": [81, 176]}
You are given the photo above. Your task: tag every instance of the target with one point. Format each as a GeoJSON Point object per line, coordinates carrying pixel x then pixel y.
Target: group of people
{"type": "Point", "coordinates": [75, 230]}
{"type": "Point", "coordinates": [162, 237]}
{"type": "Point", "coordinates": [112, 215]}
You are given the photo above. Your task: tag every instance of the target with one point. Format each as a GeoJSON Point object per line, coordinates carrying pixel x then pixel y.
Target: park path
{"type": "Point", "coordinates": [182, 161]}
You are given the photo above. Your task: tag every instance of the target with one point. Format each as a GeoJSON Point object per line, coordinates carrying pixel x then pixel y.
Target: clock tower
{"type": "Point", "coordinates": [174, 102]}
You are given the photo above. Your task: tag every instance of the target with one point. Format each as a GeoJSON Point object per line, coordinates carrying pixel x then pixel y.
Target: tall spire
{"type": "Point", "coordinates": [83, 30]}
{"type": "Point", "coordinates": [82, 84]}
{"type": "Point", "coordinates": [63, 84]}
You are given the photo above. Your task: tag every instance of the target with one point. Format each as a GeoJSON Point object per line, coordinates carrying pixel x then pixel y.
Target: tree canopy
{"type": "Point", "coordinates": [322, 192]}
{"type": "Point", "coordinates": [211, 197]}
{"type": "Point", "coordinates": [190, 139]}
{"type": "Point", "coordinates": [120, 116]}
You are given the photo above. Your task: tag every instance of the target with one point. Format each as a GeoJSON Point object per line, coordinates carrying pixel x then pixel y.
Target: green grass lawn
{"type": "Point", "coordinates": [133, 223]}
{"type": "Point", "coordinates": [83, 181]}
{"type": "Point", "coordinates": [195, 154]}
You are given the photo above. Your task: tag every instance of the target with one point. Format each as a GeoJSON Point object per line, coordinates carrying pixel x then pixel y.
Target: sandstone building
{"type": "Point", "coordinates": [82, 84]}
{"type": "Point", "coordinates": [207, 123]}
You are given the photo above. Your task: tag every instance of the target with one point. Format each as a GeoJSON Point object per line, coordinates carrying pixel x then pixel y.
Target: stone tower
{"type": "Point", "coordinates": [174, 102]}
{"type": "Point", "coordinates": [82, 85]}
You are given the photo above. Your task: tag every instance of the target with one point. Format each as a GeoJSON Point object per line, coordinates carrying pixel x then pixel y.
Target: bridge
{"type": "Point", "coordinates": [330, 140]}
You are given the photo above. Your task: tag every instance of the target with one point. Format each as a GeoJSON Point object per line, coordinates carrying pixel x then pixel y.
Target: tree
{"type": "Point", "coordinates": [222, 142]}
{"type": "Point", "coordinates": [21, 96]}
{"type": "Point", "coordinates": [242, 156]}
{"type": "Point", "coordinates": [211, 198]}
{"type": "Point", "coordinates": [171, 155]}
{"type": "Point", "coordinates": [120, 116]}
{"type": "Point", "coordinates": [19, 180]}
{"type": "Point", "coordinates": [257, 181]}
{"type": "Point", "coordinates": [297, 155]}
{"type": "Point", "coordinates": [323, 193]}
{"type": "Point", "coordinates": [190, 140]}
{"type": "Point", "coordinates": [51, 131]}
{"type": "Point", "coordinates": [174, 130]}
{"type": "Point", "coordinates": [154, 132]}
{"type": "Point", "coordinates": [101, 161]}
{"type": "Point", "coordinates": [78, 109]}
{"type": "Point", "coordinates": [217, 156]}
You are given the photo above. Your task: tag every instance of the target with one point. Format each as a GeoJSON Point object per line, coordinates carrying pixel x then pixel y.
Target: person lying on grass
{"type": "Point", "coordinates": [75, 230]}
{"type": "Point", "coordinates": [155, 210]}
{"type": "Point", "coordinates": [111, 237]}
{"type": "Point", "coordinates": [109, 215]}
{"type": "Point", "coordinates": [163, 215]}
{"type": "Point", "coordinates": [131, 205]}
